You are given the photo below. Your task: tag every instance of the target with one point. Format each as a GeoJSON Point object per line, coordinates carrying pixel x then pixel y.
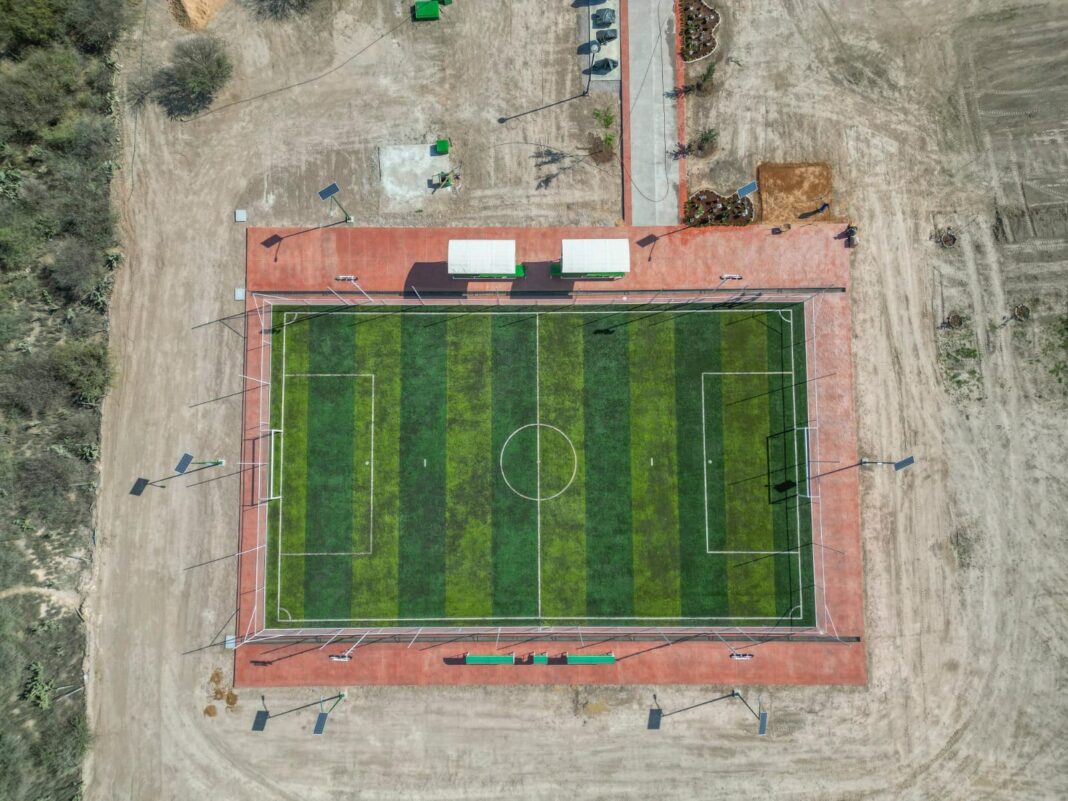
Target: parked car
{"type": "Point", "coordinates": [604, 17]}
{"type": "Point", "coordinates": [605, 65]}
{"type": "Point", "coordinates": [606, 35]}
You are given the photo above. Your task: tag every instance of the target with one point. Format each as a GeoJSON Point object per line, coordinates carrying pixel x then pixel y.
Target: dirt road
{"type": "Point", "coordinates": [931, 114]}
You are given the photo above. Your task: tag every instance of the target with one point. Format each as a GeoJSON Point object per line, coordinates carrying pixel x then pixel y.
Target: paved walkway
{"type": "Point", "coordinates": [653, 120]}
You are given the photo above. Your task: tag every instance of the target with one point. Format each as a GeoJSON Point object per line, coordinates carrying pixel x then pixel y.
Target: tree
{"type": "Point", "coordinates": [199, 69]}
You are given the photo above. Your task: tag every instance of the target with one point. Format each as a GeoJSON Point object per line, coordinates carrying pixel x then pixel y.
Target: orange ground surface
{"type": "Point", "coordinates": [662, 259]}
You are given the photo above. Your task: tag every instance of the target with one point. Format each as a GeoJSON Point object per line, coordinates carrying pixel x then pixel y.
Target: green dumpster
{"type": "Point", "coordinates": [441, 147]}
{"type": "Point", "coordinates": [427, 9]}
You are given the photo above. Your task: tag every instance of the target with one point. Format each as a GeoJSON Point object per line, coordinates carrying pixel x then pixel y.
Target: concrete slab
{"type": "Point", "coordinates": [653, 131]}
{"type": "Point", "coordinates": [406, 174]}
{"type": "Point", "coordinates": [607, 50]}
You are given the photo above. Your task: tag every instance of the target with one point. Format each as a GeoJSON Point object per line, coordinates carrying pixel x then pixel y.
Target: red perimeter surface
{"type": "Point", "coordinates": [662, 259]}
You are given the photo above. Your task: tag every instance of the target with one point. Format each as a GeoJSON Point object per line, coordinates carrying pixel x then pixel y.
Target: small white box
{"type": "Point", "coordinates": [240, 215]}
{"type": "Point", "coordinates": [239, 293]}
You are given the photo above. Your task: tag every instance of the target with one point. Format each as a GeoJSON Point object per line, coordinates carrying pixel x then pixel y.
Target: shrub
{"type": "Point", "coordinates": [37, 92]}
{"type": "Point", "coordinates": [95, 24]}
{"type": "Point", "coordinates": [33, 386]}
{"type": "Point", "coordinates": [84, 366]}
{"type": "Point", "coordinates": [39, 690]}
{"type": "Point", "coordinates": [20, 237]}
{"type": "Point", "coordinates": [279, 9]}
{"type": "Point", "coordinates": [44, 484]}
{"type": "Point", "coordinates": [605, 117]}
{"type": "Point", "coordinates": [14, 322]}
{"type": "Point", "coordinates": [24, 23]}
{"type": "Point", "coordinates": [200, 68]}
{"type": "Point", "coordinates": [73, 270]}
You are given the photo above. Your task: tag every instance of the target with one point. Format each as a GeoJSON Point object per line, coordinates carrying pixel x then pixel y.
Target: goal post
{"type": "Point", "coordinates": [274, 464]}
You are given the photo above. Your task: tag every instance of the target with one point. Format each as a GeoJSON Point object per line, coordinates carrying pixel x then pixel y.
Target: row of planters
{"type": "Point", "coordinates": [699, 23]}
{"type": "Point", "coordinates": [706, 207]}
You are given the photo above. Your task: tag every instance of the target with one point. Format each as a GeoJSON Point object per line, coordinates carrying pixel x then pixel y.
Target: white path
{"type": "Point", "coordinates": [653, 129]}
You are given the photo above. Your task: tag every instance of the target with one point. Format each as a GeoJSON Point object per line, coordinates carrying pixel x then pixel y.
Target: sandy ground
{"type": "Point", "coordinates": [930, 114]}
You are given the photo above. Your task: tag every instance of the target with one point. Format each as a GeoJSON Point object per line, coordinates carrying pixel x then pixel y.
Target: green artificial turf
{"type": "Point", "coordinates": [608, 466]}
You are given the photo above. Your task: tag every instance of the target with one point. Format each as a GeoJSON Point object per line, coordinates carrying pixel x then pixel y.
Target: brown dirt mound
{"type": "Point", "coordinates": [194, 15]}
{"type": "Point", "coordinates": [216, 677]}
{"type": "Point", "coordinates": [790, 190]}
{"type": "Point", "coordinates": [210, 711]}
{"type": "Point", "coordinates": [231, 699]}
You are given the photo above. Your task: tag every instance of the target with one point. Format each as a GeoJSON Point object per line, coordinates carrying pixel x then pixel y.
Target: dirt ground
{"type": "Point", "coordinates": [790, 190]}
{"type": "Point", "coordinates": [930, 114]}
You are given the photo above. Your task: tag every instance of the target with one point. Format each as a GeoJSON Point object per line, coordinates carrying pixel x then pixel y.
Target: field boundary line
{"type": "Point", "coordinates": [537, 437]}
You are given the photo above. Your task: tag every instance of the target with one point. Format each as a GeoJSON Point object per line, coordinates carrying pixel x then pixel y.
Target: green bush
{"type": "Point", "coordinates": [74, 271]}
{"type": "Point", "coordinates": [84, 366]}
{"type": "Point", "coordinates": [37, 92]}
{"type": "Point", "coordinates": [95, 24]}
{"type": "Point", "coordinates": [199, 69]}
{"type": "Point", "coordinates": [24, 23]}
{"type": "Point", "coordinates": [39, 691]}
{"type": "Point", "coordinates": [14, 322]}
{"type": "Point", "coordinates": [33, 387]}
{"type": "Point", "coordinates": [279, 9]}
{"type": "Point", "coordinates": [21, 239]}
{"type": "Point", "coordinates": [45, 485]}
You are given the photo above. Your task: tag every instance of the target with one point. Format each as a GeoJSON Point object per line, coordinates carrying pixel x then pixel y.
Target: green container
{"type": "Point", "coordinates": [591, 659]}
{"type": "Point", "coordinates": [441, 147]}
{"type": "Point", "coordinates": [489, 659]}
{"type": "Point", "coordinates": [427, 9]}
{"type": "Point", "coordinates": [541, 659]}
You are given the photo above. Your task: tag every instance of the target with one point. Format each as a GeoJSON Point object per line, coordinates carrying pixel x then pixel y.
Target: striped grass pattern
{"type": "Point", "coordinates": [514, 466]}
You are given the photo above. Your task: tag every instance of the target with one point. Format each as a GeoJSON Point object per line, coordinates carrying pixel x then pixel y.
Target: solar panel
{"type": "Point", "coordinates": [260, 723]}
{"type": "Point", "coordinates": [329, 192]}
{"type": "Point", "coordinates": [320, 723]}
{"type": "Point", "coordinates": [654, 718]}
{"type": "Point", "coordinates": [184, 462]}
{"type": "Point", "coordinates": [139, 486]}
{"type": "Point", "coordinates": [908, 460]}
{"type": "Point", "coordinates": [748, 189]}
{"type": "Point", "coordinates": [762, 729]}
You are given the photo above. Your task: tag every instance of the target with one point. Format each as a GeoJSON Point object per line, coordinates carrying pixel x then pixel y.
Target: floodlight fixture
{"type": "Point", "coordinates": [330, 193]}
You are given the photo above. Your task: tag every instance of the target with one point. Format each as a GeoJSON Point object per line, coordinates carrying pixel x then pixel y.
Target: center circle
{"type": "Point", "coordinates": [538, 462]}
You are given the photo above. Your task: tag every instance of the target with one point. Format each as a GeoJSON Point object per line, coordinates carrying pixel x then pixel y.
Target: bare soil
{"type": "Point", "coordinates": [930, 114]}
{"type": "Point", "coordinates": [789, 190]}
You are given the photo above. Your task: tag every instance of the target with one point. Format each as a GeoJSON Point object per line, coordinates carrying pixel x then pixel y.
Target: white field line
{"type": "Point", "coordinates": [537, 437]}
{"type": "Point", "coordinates": [282, 474]}
{"type": "Point", "coordinates": [493, 619]}
{"type": "Point", "coordinates": [797, 475]}
{"type": "Point", "coordinates": [537, 315]}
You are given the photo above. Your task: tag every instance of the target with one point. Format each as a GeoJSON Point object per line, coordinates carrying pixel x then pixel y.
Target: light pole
{"type": "Point", "coordinates": [330, 193]}
{"type": "Point", "coordinates": [728, 277]}
{"type": "Point", "coordinates": [899, 465]}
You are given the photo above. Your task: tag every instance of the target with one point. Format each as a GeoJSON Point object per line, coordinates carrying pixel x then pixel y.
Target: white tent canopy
{"type": "Point", "coordinates": [585, 256]}
{"type": "Point", "coordinates": [481, 257]}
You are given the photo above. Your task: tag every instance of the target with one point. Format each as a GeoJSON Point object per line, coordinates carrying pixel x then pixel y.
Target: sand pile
{"type": "Point", "coordinates": [194, 15]}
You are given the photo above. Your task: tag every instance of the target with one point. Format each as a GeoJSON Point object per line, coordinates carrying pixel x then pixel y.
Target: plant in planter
{"type": "Point", "coordinates": [603, 141]}
{"type": "Point", "coordinates": [704, 83]}
{"type": "Point", "coordinates": [699, 23]}
{"type": "Point", "coordinates": [706, 142]}
{"type": "Point", "coordinates": [709, 208]}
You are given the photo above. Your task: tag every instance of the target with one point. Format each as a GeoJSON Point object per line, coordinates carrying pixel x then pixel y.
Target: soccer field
{"type": "Point", "coordinates": [538, 466]}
